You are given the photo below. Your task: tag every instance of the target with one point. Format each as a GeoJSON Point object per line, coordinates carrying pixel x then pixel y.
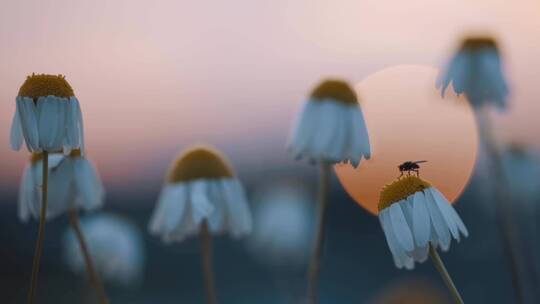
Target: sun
{"type": "Point", "coordinates": [407, 120]}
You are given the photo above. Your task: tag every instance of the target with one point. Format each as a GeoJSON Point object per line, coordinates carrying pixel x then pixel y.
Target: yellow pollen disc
{"type": "Point", "coordinates": [42, 85]}
{"type": "Point", "coordinates": [476, 43]}
{"type": "Point", "coordinates": [401, 189]}
{"type": "Point", "coordinates": [335, 89]}
{"type": "Point", "coordinates": [39, 156]}
{"type": "Point", "coordinates": [199, 163]}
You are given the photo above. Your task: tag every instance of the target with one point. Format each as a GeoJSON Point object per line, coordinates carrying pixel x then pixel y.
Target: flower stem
{"type": "Point", "coordinates": [503, 213]}
{"type": "Point", "coordinates": [206, 248]}
{"type": "Point", "coordinates": [315, 264]}
{"type": "Point", "coordinates": [94, 277]}
{"type": "Point", "coordinates": [41, 232]}
{"type": "Point", "coordinates": [444, 274]}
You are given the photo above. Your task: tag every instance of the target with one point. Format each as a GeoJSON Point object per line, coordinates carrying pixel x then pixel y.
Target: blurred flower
{"type": "Point", "coordinates": [283, 222]}
{"type": "Point", "coordinates": [116, 247]}
{"type": "Point", "coordinates": [73, 183]}
{"type": "Point", "coordinates": [331, 127]}
{"type": "Point", "coordinates": [522, 169]}
{"type": "Point", "coordinates": [48, 116]}
{"type": "Point", "coordinates": [201, 186]}
{"type": "Point", "coordinates": [476, 71]}
{"type": "Point", "coordinates": [413, 215]}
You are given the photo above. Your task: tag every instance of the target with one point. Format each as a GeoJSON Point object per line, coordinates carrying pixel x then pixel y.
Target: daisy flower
{"type": "Point", "coordinates": [74, 183]}
{"type": "Point", "coordinates": [331, 127]}
{"type": "Point", "coordinates": [417, 219]}
{"type": "Point", "coordinates": [202, 196]}
{"type": "Point", "coordinates": [201, 186]}
{"type": "Point", "coordinates": [414, 215]}
{"type": "Point", "coordinates": [116, 247]}
{"type": "Point", "coordinates": [48, 116]}
{"type": "Point", "coordinates": [476, 70]}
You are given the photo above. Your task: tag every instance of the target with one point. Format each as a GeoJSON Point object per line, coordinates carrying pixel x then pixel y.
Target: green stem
{"type": "Point", "coordinates": [206, 248]}
{"type": "Point", "coordinates": [41, 232]}
{"type": "Point", "coordinates": [503, 213]}
{"type": "Point", "coordinates": [315, 264]}
{"type": "Point", "coordinates": [94, 276]}
{"type": "Point", "coordinates": [444, 274]}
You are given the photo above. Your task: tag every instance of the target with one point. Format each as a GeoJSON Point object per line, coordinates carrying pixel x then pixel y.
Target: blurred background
{"type": "Point", "coordinates": [156, 77]}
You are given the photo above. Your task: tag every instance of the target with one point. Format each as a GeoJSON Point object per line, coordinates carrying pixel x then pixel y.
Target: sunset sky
{"type": "Point", "coordinates": [156, 76]}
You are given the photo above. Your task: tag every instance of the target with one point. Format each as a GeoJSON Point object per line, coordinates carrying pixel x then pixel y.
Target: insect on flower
{"type": "Point", "coordinates": [410, 166]}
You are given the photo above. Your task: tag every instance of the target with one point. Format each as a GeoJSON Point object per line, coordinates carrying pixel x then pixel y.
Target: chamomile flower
{"type": "Point", "coordinates": [201, 186]}
{"type": "Point", "coordinates": [115, 245]}
{"type": "Point", "coordinates": [48, 116]}
{"type": "Point", "coordinates": [476, 71]}
{"type": "Point", "coordinates": [415, 215]}
{"type": "Point", "coordinates": [73, 183]}
{"type": "Point", "coordinates": [331, 127]}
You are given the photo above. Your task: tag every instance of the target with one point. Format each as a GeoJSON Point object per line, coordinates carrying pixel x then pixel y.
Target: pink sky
{"type": "Point", "coordinates": [155, 76]}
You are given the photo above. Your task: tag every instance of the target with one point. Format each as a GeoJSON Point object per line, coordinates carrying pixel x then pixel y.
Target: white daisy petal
{"type": "Point", "coordinates": [27, 192]}
{"type": "Point", "coordinates": [90, 192]}
{"type": "Point", "coordinates": [239, 213]}
{"type": "Point", "coordinates": [421, 220]}
{"type": "Point", "coordinates": [438, 222]}
{"type": "Point", "coordinates": [16, 134]}
{"type": "Point", "coordinates": [60, 191]}
{"type": "Point", "coordinates": [332, 131]}
{"type": "Point", "coordinates": [29, 122]}
{"type": "Point", "coordinates": [453, 215]}
{"type": "Point", "coordinates": [400, 227]}
{"type": "Point", "coordinates": [202, 207]}
{"type": "Point", "coordinates": [51, 113]}
{"type": "Point", "coordinates": [445, 209]}
{"type": "Point", "coordinates": [77, 113]}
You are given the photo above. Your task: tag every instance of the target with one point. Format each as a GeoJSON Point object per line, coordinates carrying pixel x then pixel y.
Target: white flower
{"type": "Point", "coordinates": [331, 127]}
{"type": "Point", "coordinates": [283, 226]}
{"type": "Point", "coordinates": [73, 183]}
{"type": "Point", "coordinates": [413, 215]}
{"type": "Point", "coordinates": [201, 187]}
{"type": "Point", "coordinates": [115, 245]}
{"type": "Point", "coordinates": [48, 117]}
{"type": "Point", "coordinates": [476, 71]}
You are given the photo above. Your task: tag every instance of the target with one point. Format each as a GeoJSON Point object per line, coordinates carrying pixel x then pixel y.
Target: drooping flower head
{"type": "Point", "coordinates": [48, 116]}
{"type": "Point", "coordinates": [476, 71]}
{"type": "Point", "coordinates": [73, 183]}
{"type": "Point", "coordinates": [414, 214]}
{"type": "Point", "coordinates": [201, 186]}
{"type": "Point", "coordinates": [116, 247]}
{"type": "Point", "coordinates": [331, 127]}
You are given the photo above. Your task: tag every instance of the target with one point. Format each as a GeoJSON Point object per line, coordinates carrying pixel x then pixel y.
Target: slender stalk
{"type": "Point", "coordinates": [206, 248]}
{"type": "Point", "coordinates": [444, 274]}
{"type": "Point", "coordinates": [503, 213]}
{"type": "Point", "coordinates": [315, 264]}
{"type": "Point", "coordinates": [90, 269]}
{"type": "Point", "coordinates": [41, 232]}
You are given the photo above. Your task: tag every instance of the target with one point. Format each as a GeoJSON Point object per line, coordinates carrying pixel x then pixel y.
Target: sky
{"type": "Point", "coordinates": [154, 77]}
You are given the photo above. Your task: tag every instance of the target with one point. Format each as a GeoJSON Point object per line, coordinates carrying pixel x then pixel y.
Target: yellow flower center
{"type": "Point", "coordinates": [199, 163]}
{"type": "Point", "coordinates": [37, 156]}
{"type": "Point", "coordinates": [42, 85]}
{"type": "Point", "coordinates": [337, 90]}
{"type": "Point", "coordinates": [401, 189]}
{"type": "Point", "coordinates": [476, 43]}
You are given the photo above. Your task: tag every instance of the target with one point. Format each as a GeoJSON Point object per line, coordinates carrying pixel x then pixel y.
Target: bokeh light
{"type": "Point", "coordinates": [408, 121]}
